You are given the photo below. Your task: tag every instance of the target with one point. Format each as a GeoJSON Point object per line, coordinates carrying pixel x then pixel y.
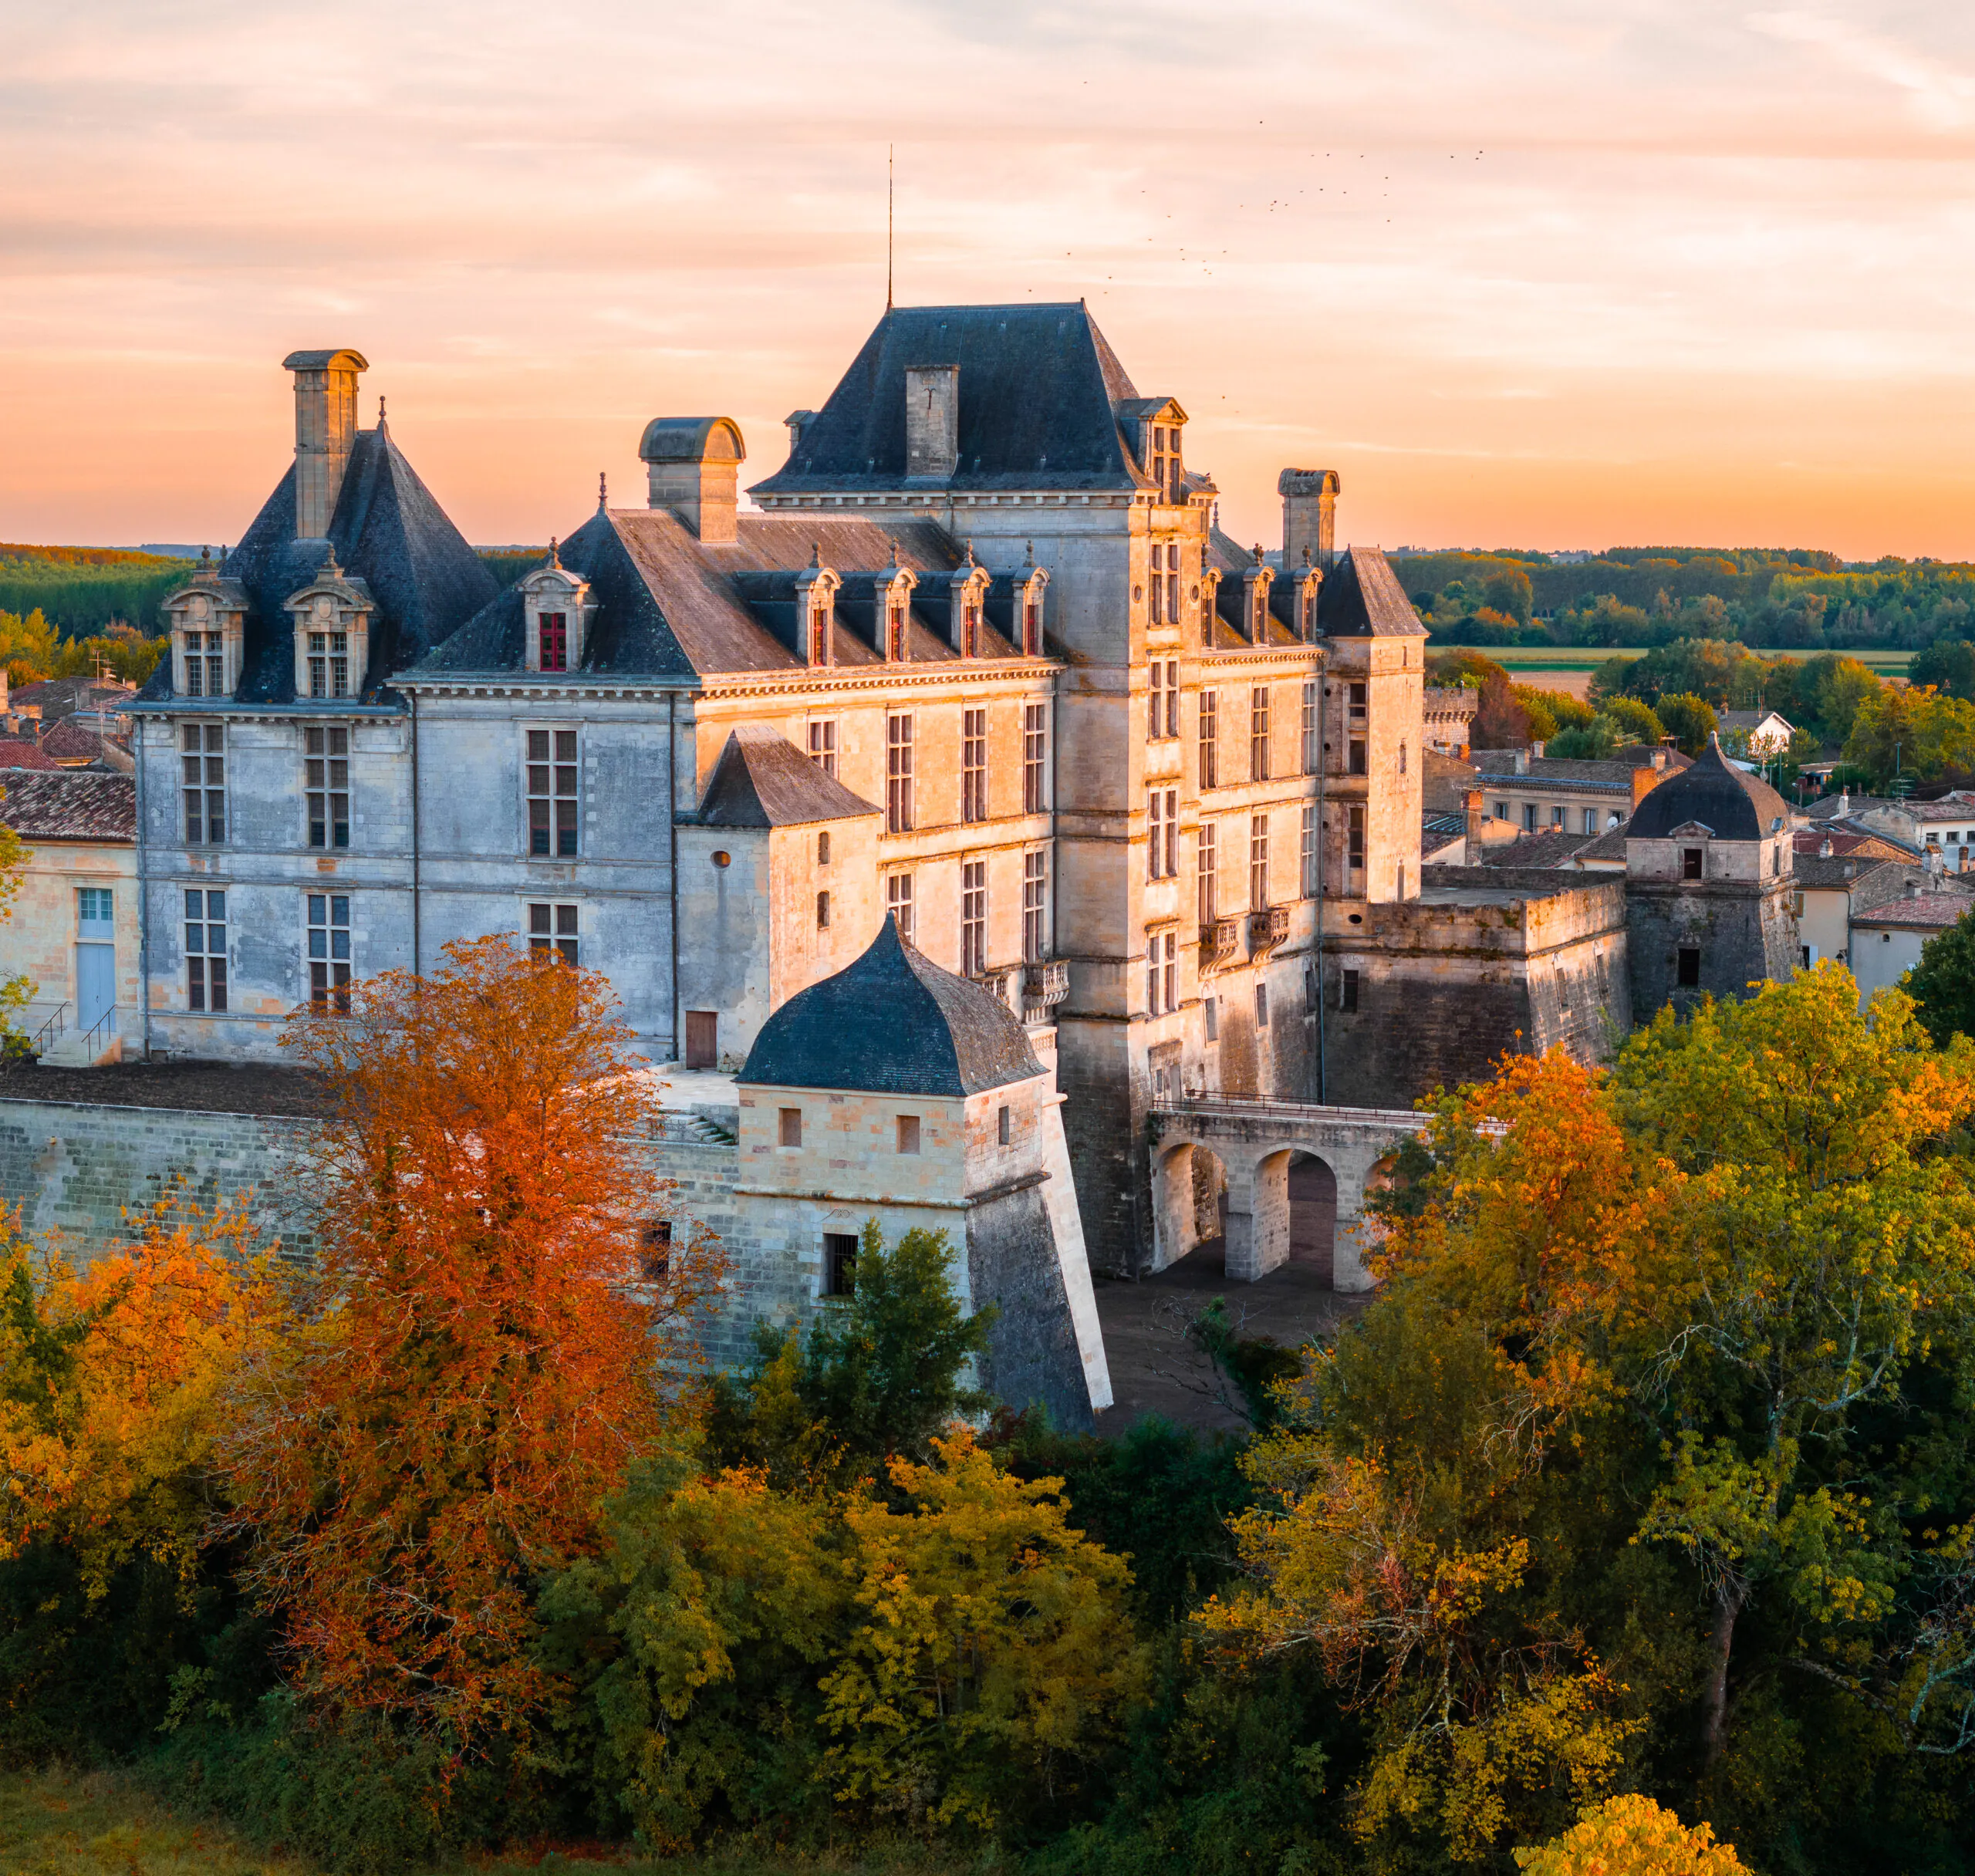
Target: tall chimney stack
{"type": "Point", "coordinates": [932, 420]}
{"type": "Point", "coordinates": [1309, 517]}
{"type": "Point", "coordinates": [693, 467]}
{"type": "Point", "coordinates": [325, 430]}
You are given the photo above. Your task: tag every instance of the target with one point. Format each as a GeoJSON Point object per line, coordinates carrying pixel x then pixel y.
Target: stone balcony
{"type": "Point", "coordinates": [1267, 928]}
{"type": "Point", "coordinates": [1219, 942]}
{"type": "Point", "coordinates": [1044, 985]}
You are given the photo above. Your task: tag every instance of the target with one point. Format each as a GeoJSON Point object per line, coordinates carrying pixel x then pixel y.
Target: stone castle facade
{"type": "Point", "coordinates": [979, 662]}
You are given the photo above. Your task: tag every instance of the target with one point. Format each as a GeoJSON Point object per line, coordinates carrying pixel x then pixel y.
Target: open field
{"type": "Point", "coordinates": [99, 1824]}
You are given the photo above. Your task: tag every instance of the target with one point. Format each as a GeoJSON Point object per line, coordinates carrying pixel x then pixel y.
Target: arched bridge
{"type": "Point", "coordinates": [1273, 1173]}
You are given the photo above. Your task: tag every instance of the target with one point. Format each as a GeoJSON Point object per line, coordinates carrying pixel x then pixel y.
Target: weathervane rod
{"type": "Point", "coordinates": [888, 227]}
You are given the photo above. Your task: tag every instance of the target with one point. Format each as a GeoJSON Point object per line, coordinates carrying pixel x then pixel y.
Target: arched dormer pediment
{"type": "Point", "coordinates": [1031, 589]}
{"type": "Point", "coordinates": [1293, 598]}
{"type": "Point", "coordinates": [1255, 583]}
{"type": "Point", "coordinates": [1690, 830]}
{"type": "Point", "coordinates": [556, 615]}
{"type": "Point", "coordinates": [967, 598]}
{"type": "Point", "coordinates": [332, 619]}
{"type": "Point", "coordinates": [816, 588]}
{"type": "Point", "coordinates": [207, 619]}
{"type": "Point", "coordinates": [892, 592]}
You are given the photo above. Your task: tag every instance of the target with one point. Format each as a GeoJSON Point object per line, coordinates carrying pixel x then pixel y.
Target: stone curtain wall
{"type": "Point", "coordinates": [81, 1172]}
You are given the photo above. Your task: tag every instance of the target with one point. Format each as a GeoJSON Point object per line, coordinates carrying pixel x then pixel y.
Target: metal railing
{"type": "Point", "coordinates": [1203, 1101]}
{"type": "Point", "coordinates": [51, 1031]}
{"type": "Point", "coordinates": [100, 1033]}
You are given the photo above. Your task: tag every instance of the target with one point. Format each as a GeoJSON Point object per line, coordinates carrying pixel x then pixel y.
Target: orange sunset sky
{"type": "Point", "coordinates": [1550, 273]}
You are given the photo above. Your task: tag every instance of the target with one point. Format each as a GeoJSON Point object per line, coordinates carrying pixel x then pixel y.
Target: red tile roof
{"type": "Point", "coordinates": [15, 753]}
{"type": "Point", "coordinates": [70, 804]}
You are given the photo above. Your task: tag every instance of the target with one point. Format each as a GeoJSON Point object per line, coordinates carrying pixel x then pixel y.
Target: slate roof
{"type": "Point", "coordinates": [1612, 775]}
{"type": "Point", "coordinates": [389, 533]}
{"type": "Point", "coordinates": [1362, 598]}
{"type": "Point", "coordinates": [1040, 397]}
{"type": "Point", "coordinates": [670, 606]}
{"type": "Point", "coordinates": [16, 754]}
{"type": "Point", "coordinates": [71, 805]}
{"type": "Point", "coordinates": [1713, 791]}
{"type": "Point", "coordinates": [763, 780]}
{"type": "Point", "coordinates": [892, 1023]}
{"type": "Point", "coordinates": [1816, 872]}
{"type": "Point", "coordinates": [56, 696]}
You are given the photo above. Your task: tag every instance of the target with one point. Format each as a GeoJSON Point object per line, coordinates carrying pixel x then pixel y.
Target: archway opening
{"type": "Point", "coordinates": [1313, 1214]}
{"type": "Point", "coordinates": [1189, 1192]}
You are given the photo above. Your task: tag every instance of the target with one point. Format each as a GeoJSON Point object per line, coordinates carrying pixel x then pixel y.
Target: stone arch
{"type": "Point", "coordinates": [1313, 1211]}
{"type": "Point", "coordinates": [1258, 1218]}
{"type": "Point", "coordinates": [1191, 1184]}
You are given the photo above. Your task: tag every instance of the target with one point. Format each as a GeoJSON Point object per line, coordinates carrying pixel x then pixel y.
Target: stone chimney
{"type": "Point", "coordinates": [1474, 803]}
{"type": "Point", "coordinates": [1644, 780]}
{"type": "Point", "coordinates": [1536, 749]}
{"type": "Point", "coordinates": [932, 420]}
{"type": "Point", "coordinates": [1309, 517]}
{"type": "Point", "coordinates": [324, 431]}
{"type": "Point", "coordinates": [693, 464]}
{"type": "Point", "coordinates": [1824, 847]}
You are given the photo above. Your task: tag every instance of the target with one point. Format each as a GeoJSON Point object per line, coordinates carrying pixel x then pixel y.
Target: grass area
{"type": "Point", "coordinates": [1575, 658]}
{"type": "Point", "coordinates": [60, 1823]}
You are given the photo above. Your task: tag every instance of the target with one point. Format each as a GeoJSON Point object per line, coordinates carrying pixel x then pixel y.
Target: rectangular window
{"type": "Point", "coordinates": [1162, 699]}
{"type": "Point", "coordinates": [551, 930]}
{"type": "Point", "coordinates": [1034, 759]}
{"type": "Point", "coordinates": [1348, 995]}
{"type": "Point", "coordinates": [788, 1127]}
{"type": "Point", "coordinates": [1529, 817]}
{"type": "Point", "coordinates": [95, 910]}
{"type": "Point", "coordinates": [822, 745]}
{"type": "Point", "coordinates": [1004, 1131]}
{"type": "Point", "coordinates": [1162, 973]}
{"type": "Point", "coordinates": [1501, 811]}
{"type": "Point", "coordinates": [1360, 709]}
{"type": "Point", "coordinates": [202, 748]}
{"type": "Point", "coordinates": [1158, 588]}
{"type": "Point", "coordinates": [1210, 735]}
{"type": "Point", "coordinates": [898, 775]}
{"type": "Point", "coordinates": [839, 1263]}
{"type": "Point", "coordinates": [1359, 765]}
{"type": "Point", "coordinates": [1173, 576]}
{"type": "Point", "coordinates": [898, 902]}
{"type": "Point", "coordinates": [973, 918]}
{"type": "Point", "coordinates": [552, 797]}
{"type": "Point", "coordinates": [205, 950]}
{"type": "Point", "coordinates": [1590, 820]}
{"type": "Point", "coordinates": [1035, 905]}
{"type": "Point", "coordinates": [1690, 862]}
{"type": "Point", "coordinates": [328, 664]}
{"type": "Point", "coordinates": [328, 953]}
{"type": "Point", "coordinates": [1162, 834]}
{"type": "Point", "coordinates": [655, 1254]}
{"type": "Point", "coordinates": [822, 912]}
{"type": "Point", "coordinates": [1208, 857]}
{"type": "Point", "coordinates": [1310, 752]}
{"type": "Point", "coordinates": [1556, 816]}
{"type": "Point", "coordinates": [1261, 1006]}
{"type": "Point", "coordinates": [1258, 734]}
{"type": "Point", "coordinates": [554, 645]}
{"type": "Point", "coordinates": [908, 1133]}
{"type": "Point", "coordinates": [1354, 839]}
{"type": "Point", "coordinates": [974, 765]}
{"type": "Point", "coordinates": [1213, 1008]}
{"type": "Point", "coordinates": [1258, 863]}
{"type": "Point", "coordinates": [326, 772]}
{"type": "Point", "coordinates": [1689, 968]}
{"type": "Point", "coordinates": [1032, 626]}
{"type": "Point", "coordinates": [1309, 853]}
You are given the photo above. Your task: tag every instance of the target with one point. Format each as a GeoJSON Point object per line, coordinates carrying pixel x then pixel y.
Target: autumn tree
{"type": "Point", "coordinates": [1943, 983]}
{"type": "Point", "coordinates": [484, 1357]}
{"type": "Point", "coordinates": [1632, 1836]}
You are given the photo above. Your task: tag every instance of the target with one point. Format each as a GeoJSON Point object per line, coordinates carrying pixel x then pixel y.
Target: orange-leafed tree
{"type": "Point", "coordinates": [112, 1383]}
{"type": "Point", "coordinates": [490, 1344]}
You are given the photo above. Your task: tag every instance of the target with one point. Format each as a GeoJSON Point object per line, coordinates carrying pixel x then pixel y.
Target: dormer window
{"type": "Point", "coordinates": [895, 618]}
{"type": "Point", "coordinates": [970, 628]}
{"type": "Point", "coordinates": [552, 641]}
{"type": "Point", "coordinates": [969, 585]}
{"type": "Point", "coordinates": [332, 619]}
{"type": "Point", "coordinates": [1259, 627]}
{"type": "Point", "coordinates": [816, 588]}
{"type": "Point", "coordinates": [1162, 454]}
{"type": "Point", "coordinates": [205, 620]}
{"type": "Point", "coordinates": [1027, 589]}
{"type": "Point", "coordinates": [1032, 626]}
{"type": "Point", "coordinates": [556, 612]}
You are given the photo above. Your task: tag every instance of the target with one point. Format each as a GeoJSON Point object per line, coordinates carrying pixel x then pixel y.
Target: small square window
{"type": "Point", "coordinates": [908, 1133]}
{"type": "Point", "coordinates": [791, 1129]}
{"type": "Point", "coordinates": [1689, 966]}
{"type": "Point", "coordinates": [839, 1263]}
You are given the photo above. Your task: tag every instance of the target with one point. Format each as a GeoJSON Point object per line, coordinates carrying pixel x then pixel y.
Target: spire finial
{"type": "Point", "coordinates": [380, 411]}
{"type": "Point", "coordinates": [554, 559]}
{"type": "Point", "coordinates": [889, 192]}
{"type": "Point", "coordinates": [816, 554]}
{"type": "Point", "coordinates": [330, 569]}
{"type": "Point", "coordinates": [603, 490]}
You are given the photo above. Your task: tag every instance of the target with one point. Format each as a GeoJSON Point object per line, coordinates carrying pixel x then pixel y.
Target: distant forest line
{"type": "Point", "coordinates": [84, 591]}
{"type": "Point", "coordinates": [1798, 599]}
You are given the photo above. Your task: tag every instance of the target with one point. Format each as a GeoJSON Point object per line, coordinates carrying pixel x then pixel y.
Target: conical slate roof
{"type": "Point", "coordinates": [892, 1023]}
{"type": "Point", "coordinates": [1729, 801]}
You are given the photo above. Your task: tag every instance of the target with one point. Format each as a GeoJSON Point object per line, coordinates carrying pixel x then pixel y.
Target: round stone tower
{"type": "Point", "coordinates": [1709, 875]}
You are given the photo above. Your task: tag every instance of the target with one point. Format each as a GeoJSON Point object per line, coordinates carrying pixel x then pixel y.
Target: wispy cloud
{"type": "Point", "coordinates": [1938, 94]}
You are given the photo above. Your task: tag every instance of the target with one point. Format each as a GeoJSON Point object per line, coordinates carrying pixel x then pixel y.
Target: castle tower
{"type": "Point", "coordinates": [1710, 870]}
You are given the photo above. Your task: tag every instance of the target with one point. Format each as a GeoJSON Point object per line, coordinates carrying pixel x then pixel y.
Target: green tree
{"type": "Point", "coordinates": [1918, 733]}
{"type": "Point", "coordinates": [1638, 720]}
{"type": "Point", "coordinates": [878, 1376]}
{"type": "Point", "coordinates": [1948, 665]}
{"type": "Point", "coordinates": [1509, 590]}
{"type": "Point", "coordinates": [1689, 720]}
{"type": "Point", "coordinates": [1943, 983]}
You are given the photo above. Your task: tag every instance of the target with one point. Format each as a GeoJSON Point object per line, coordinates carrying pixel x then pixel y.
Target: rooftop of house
{"type": "Point", "coordinates": [892, 1023]}
{"type": "Point", "coordinates": [1489, 885]}
{"type": "Point", "coordinates": [71, 804]}
{"type": "Point", "coordinates": [58, 696]}
{"type": "Point", "coordinates": [1845, 843]}
{"type": "Point", "coordinates": [394, 545]}
{"type": "Point", "coordinates": [1748, 719]}
{"type": "Point", "coordinates": [71, 741]}
{"type": "Point", "coordinates": [1043, 403]}
{"type": "Point", "coordinates": [1714, 794]}
{"type": "Point", "coordinates": [1958, 804]}
{"type": "Point", "coordinates": [1445, 782]}
{"type": "Point", "coordinates": [17, 754]}
{"type": "Point", "coordinates": [763, 780]}
{"type": "Point", "coordinates": [1919, 909]}
{"type": "Point", "coordinates": [1613, 775]}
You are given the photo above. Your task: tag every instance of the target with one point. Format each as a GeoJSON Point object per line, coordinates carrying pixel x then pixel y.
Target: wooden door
{"type": "Point", "coordinates": [702, 1039]}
